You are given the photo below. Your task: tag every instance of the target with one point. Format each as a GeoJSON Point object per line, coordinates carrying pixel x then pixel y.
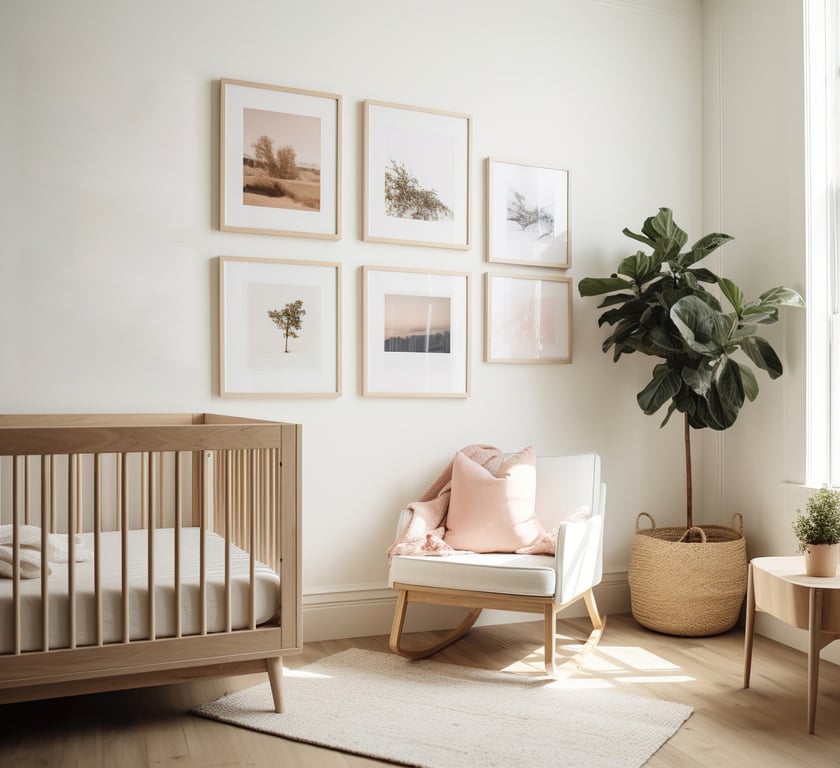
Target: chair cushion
{"type": "Point", "coordinates": [507, 574]}
{"type": "Point", "coordinates": [493, 513]}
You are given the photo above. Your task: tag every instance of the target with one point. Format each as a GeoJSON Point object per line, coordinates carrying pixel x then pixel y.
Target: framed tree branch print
{"type": "Point", "coordinates": [528, 215]}
{"type": "Point", "coordinates": [416, 176]}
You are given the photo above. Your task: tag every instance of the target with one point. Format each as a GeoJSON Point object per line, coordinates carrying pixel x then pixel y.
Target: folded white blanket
{"type": "Point", "coordinates": [29, 538]}
{"type": "Point", "coordinates": [30, 563]}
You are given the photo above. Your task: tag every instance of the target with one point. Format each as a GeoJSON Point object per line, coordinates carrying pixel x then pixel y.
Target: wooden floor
{"type": "Point", "coordinates": [763, 726]}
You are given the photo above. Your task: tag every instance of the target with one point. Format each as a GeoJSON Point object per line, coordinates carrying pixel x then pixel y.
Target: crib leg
{"type": "Point", "coordinates": [274, 667]}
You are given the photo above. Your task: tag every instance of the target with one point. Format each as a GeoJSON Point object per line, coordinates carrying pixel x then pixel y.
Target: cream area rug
{"type": "Point", "coordinates": [434, 715]}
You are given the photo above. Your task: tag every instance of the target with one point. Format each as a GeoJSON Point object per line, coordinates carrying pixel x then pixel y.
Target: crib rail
{"type": "Point", "coordinates": [77, 478]}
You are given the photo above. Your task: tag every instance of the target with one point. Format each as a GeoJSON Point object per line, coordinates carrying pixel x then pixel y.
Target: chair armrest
{"type": "Point", "coordinates": [402, 521]}
{"type": "Point", "coordinates": [579, 557]}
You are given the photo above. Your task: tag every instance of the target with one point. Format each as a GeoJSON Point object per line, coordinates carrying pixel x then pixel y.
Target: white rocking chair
{"type": "Point", "coordinates": [511, 582]}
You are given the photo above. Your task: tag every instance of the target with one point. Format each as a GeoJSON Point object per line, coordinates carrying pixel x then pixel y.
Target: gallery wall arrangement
{"type": "Point", "coordinates": [280, 320]}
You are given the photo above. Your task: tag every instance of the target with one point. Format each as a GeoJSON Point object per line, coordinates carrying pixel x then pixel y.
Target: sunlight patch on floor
{"type": "Point", "coordinates": [606, 667]}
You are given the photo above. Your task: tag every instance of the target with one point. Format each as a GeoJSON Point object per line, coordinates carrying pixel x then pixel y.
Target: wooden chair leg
{"type": "Point", "coordinates": [550, 640]}
{"type": "Point", "coordinates": [397, 625]}
{"type": "Point", "coordinates": [274, 667]}
{"type": "Point", "coordinates": [599, 622]}
{"type": "Point", "coordinates": [592, 608]}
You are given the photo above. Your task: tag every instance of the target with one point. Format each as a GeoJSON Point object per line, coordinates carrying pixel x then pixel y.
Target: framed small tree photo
{"type": "Point", "coordinates": [279, 328]}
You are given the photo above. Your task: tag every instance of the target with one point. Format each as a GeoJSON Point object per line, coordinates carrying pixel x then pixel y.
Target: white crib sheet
{"type": "Point", "coordinates": [266, 588]}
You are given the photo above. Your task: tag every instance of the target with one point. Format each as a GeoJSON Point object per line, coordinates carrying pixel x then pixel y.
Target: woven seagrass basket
{"type": "Point", "coordinates": [688, 582]}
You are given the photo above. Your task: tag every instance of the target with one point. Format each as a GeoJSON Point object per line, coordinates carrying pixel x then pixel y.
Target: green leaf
{"type": "Point", "coordinates": [749, 381]}
{"type": "Point", "coordinates": [663, 227]}
{"type": "Point", "coordinates": [722, 412]}
{"type": "Point", "coordinates": [698, 379]}
{"type": "Point", "coordinates": [661, 388]}
{"type": "Point", "coordinates": [617, 298]}
{"type": "Point", "coordinates": [730, 388]}
{"type": "Point", "coordinates": [639, 267]}
{"type": "Point", "coordinates": [782, 296]}
{"type": "Point", "coordinates": [734, 295]}
{"type": "Point", "coordinates": [595, 286]}
{"type": "Point", "coordinates": [703, 247]}
{"type": "Point", "coordinates": [703, 330]}
{"type": "Point", "coordinates": [703, 275]}
{"type": "Point", "coordinates": [640, 238]}
{"type": "Point", "coordinates": [763, 355]}
{"type": "Point", "coordinates": [671, 408]}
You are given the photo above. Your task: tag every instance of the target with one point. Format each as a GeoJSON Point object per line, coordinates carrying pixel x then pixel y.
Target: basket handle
{"type": "Point", "coordinates": [652, 521]}
{"type": "Point", "coordinates": [739, 526]}
{"type": "Point", "coordinates": [694, 530]}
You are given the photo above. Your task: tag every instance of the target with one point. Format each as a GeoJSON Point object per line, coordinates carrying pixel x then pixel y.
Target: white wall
{"type": "Point", "coordinates": [109, 230]}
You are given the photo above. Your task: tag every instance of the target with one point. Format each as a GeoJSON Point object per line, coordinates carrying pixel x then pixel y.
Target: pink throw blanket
{"type": "Point", "coordinates": [426, 527]}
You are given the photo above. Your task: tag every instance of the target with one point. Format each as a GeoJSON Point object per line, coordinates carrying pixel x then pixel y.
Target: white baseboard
{"type": "Point", "coordinates": [363, 611]}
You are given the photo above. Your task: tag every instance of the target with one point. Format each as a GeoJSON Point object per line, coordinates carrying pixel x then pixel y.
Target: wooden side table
{"type": "Point", "coordinates": [779, 586]}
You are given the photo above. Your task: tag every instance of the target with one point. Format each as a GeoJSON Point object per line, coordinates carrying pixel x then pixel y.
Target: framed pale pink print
{"type": "Point", "coordinates": [528, 215]}
{"type": "Point", "coordinates": [280, 167]}
{"type": "Point", "coordinates": [528, 319]}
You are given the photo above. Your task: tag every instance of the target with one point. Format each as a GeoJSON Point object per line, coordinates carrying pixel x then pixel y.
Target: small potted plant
{"type": "Point", "coordinates": [818, 532]}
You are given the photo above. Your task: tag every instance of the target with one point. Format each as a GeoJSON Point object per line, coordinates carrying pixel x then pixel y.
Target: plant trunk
{"type": "Point", "coordinates": [689, 519]}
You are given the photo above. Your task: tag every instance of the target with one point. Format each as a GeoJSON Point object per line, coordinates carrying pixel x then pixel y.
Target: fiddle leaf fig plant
{"type": "Point", "coordinates": [658, 304]}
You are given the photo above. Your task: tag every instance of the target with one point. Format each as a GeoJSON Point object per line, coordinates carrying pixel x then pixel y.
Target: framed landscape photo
{"type": "Point", "coordinates": [416, 176]}
{"type": "Point", "coordinates": [415, 334]}
{"type": "Point", "coordinates": [528, 319]}
{"type": "Point", "coordinates": [279, 328]}
{"type": "Point", "coordinates": [280, 168]}
{"type": "Point", "coordinates": [528, 215]}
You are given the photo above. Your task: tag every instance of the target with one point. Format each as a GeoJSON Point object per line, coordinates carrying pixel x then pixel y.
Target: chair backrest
{"type": "Point", "coordinates": [565, 484]}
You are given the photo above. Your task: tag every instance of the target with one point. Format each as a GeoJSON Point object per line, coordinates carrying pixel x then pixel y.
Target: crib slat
{"type": "Point", "coordinates": [150, 531]}
{"type": "Point", "coordinates": [16, 551]}
{"type": "Point", "coordinates": [228, 497]}
{"type": "Point", "coordinates": [177, 561]}
{"type": "Point", "coordinates": [202, 548]}
{"type": "Point", "coordinates": [27, 492]}
{"type": "Point", "coordinates": [124, 527]}
{"type": "Point", "coordinates": [53, 495]}
{"type": "Point", "coordinates": [72, 505]}
{"type": "Point", "coordinates": [45, 582]}
{"type": "Point", "coordinates": [97, 551]}
{"type": "Point", "coordinates": [252, 539]}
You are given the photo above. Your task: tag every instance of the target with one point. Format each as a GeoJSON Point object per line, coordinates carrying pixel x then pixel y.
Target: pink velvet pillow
{"type": "Point", "coordinates": [493, 513]}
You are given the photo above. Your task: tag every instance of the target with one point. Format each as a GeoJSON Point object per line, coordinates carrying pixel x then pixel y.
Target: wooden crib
{"type": "Point", "coordinates": [146, 549]}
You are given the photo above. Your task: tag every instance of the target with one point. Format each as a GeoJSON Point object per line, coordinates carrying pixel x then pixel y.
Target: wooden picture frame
{"type": "Point", "coordinates": [416, 184]}
{"type": "Point", "coordinates": [268, 345]}
{"type": "Point", "coordinates": [415, 333]}
{"type": "Point", "coordinates": [528, 319]}
{"type": "Point", "coordinates": [280, 164]}
{"type": "Point", "coordinates": [528, 215]}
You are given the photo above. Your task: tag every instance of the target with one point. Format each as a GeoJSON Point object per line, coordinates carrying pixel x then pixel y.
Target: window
{"type": "Point", "coordinates": [823, 245]}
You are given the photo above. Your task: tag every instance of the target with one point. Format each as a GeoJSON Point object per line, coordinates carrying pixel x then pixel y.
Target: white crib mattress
{"type": "Point", "coordinates": [266, 592]}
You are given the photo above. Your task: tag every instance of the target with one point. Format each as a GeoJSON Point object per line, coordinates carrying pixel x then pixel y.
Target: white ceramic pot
{"type": "Point", "coordinates": [821, 559]}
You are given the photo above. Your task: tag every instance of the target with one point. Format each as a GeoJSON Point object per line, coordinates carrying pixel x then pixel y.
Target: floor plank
{"type": "Point", "coordinates": [761, 727]}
